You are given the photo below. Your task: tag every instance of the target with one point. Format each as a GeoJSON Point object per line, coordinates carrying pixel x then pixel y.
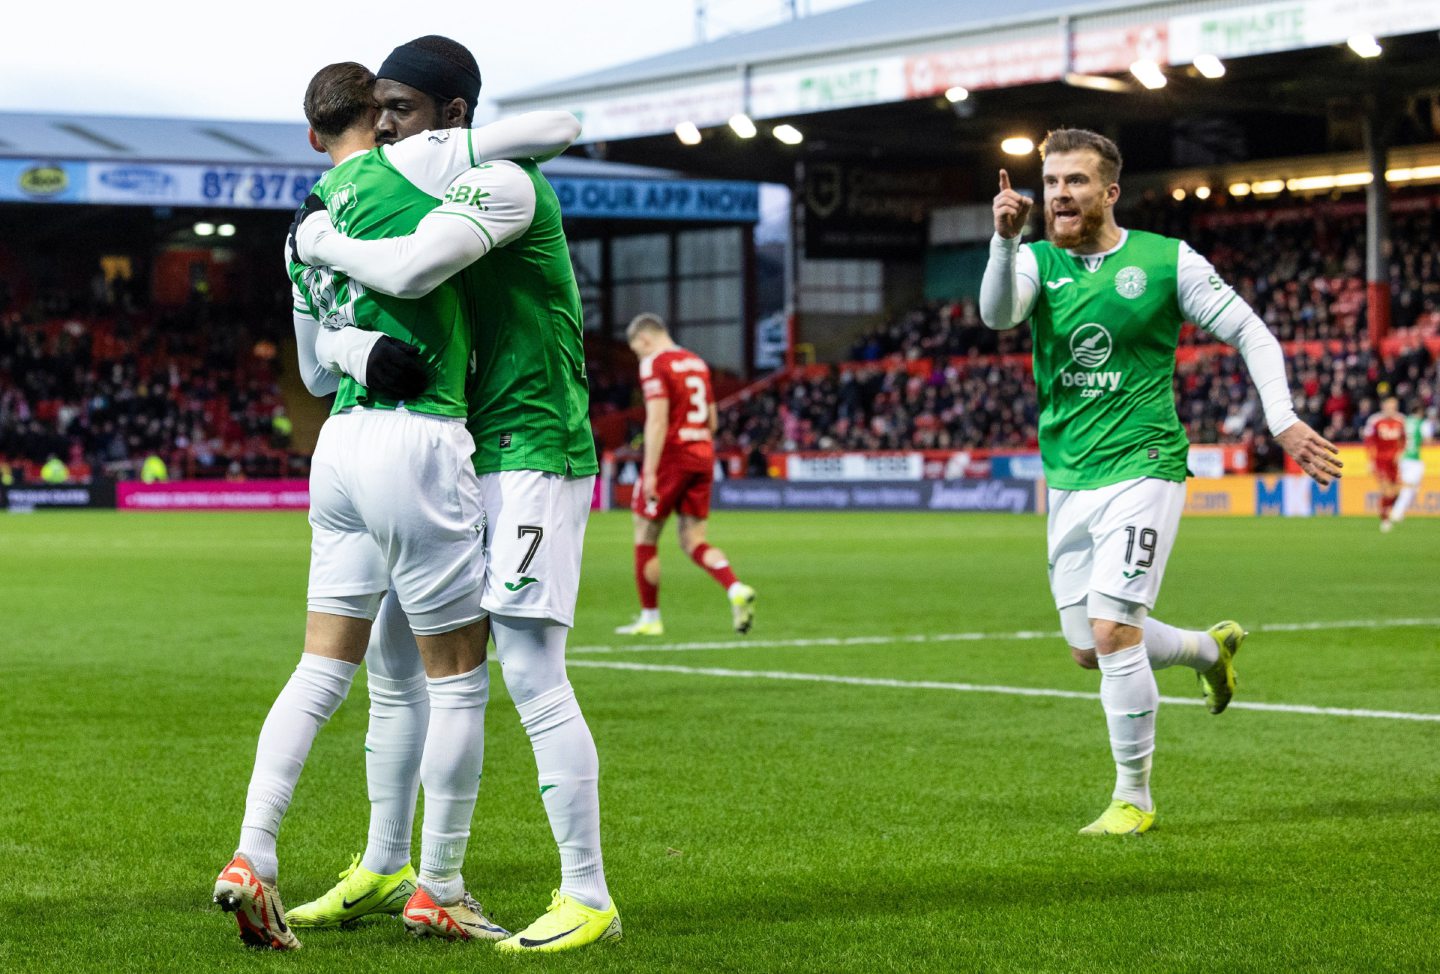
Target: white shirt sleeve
{"type": "Point", "coordinates": [433, 160]}
{"type": "Point", "coordinates": [318, 380]}
{"type": "Point", "coordinates": [1214, 306]}
{"type": "Point", "coordinates": [1010, 285]}
{"type": "Point", "coordinates": [487, 207]}
{"type": "Point", "coordinates": [326, 350]}
{"type": "Point", "coordinates": [345, 351]}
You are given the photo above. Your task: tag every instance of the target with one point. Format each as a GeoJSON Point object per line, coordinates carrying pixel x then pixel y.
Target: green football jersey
{"type": "Point", "coordinates": [1104, 360]}
{"type": "Point", "coordinates": [369, 199]}
{"type": "Point", "coordinates": [1414, 435]}
{"type": "Point", "coordinates": [529, 395]}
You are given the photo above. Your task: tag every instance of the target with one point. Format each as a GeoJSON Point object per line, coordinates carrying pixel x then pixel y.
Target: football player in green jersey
{"type": "Point", "coordinates": [534, 452]}
{"type": "Point", "coordinates": [1419, 430]}
{"type": "Point", "coordinates": [1106, 305]}
{"type": "Point", "coordinates": [379, 523]}
{"type": "Point", "coordinates": [383, 880]}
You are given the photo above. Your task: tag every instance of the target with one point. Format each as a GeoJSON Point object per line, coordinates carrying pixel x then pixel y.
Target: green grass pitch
{"type": "Point", "coordinates": [761, 823]}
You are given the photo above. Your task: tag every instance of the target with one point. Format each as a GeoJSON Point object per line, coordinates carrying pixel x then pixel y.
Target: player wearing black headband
{"type": "Point", "coordinates": [431, 82]}
{"type": "Point", "coordinates": [383, 523]}
{"type": "Point", "coordinates": [534, 452]}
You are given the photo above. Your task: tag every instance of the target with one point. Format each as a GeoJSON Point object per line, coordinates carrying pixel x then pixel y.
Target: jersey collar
{"type": "Point", "coordinates": [1124, 236]}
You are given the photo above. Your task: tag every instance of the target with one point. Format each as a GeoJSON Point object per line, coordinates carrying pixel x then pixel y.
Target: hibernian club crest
{"type": "Point", "coordinates": [1130, 282]}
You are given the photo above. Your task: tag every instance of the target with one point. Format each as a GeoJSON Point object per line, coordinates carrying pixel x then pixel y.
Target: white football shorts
{"type": "Point", "coordinates": [393, 497]}
{"type": "Point", "coordinates": [1113, 540]}
{"type": "Point", "coordinates": [535, 525]}
{"type": "Point", "coordinates": [1412, 472]}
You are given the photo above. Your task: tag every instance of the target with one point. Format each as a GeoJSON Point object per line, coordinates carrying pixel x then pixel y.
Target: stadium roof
{"type": "Point", "coordinates": [874, 83]}
{"type": "Point", "coordinates": [887, 52]}
{"type": "Point", "coordinates": [115, 138]}
{"type": "Point", "coordinates": [111, 138]}
{"type": "Point", "coordinates": [871, 24]}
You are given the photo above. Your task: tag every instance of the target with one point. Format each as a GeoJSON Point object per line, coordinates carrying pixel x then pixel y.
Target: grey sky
{"type": "Point", "coordinates": [251, 60]}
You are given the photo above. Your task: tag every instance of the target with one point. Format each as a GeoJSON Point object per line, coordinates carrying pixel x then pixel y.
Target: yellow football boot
{"type": "Point", "coordinates": [567, 924]}
{"type": "Point", "coordinates": [360, 893]}
{"type": "Point", "coordinates": [1121, 818]}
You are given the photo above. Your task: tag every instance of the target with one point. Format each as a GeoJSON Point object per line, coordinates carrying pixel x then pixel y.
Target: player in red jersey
{"type": "Point", "coordinates": [677, 471]}
{"type": "Point", "coordinates": [1384, 439]}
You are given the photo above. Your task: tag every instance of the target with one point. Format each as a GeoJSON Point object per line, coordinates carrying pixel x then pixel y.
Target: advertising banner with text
{"type": "Point", "coordinates": [1012, 496]}
{"type": "Point", "coordinates": [58, 497]}
{"type": "Point", "coordinates": [215, 495]}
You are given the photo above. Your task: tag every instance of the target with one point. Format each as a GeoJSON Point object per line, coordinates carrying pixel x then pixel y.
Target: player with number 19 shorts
{"type": "Point", "coordinates": [1106, 306]}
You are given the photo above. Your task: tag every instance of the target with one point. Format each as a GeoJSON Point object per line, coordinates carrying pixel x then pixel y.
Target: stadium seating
{"type": "Point", "coordinates": [104, 391]}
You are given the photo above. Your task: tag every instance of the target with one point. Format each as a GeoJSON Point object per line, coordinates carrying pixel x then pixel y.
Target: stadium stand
{"type": "Point", "coordinates": [102, 388]}
{"type": "Point", "coordinates": [988, 402]}
{"type": "Point", "coordinates": [101, 381]}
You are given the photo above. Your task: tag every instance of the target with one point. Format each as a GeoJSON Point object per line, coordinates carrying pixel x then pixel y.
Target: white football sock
{"type": "Point", "coordinates": [395, 739]}
{"type": "Point", "coordinates": [1402, 503]}
{"type": "Point", "coordinates": [311, 696]}
{"type": "Point", "coordinates": [532, 659]}
{"type": "Point", "coordinates": [1130, 698]}
{"type": "Point", "coordinates": [1168, 646]}
{"type": "Point", "coordinates": [649, 615]}
{"type": "Point", "coordinates": [450, 772]}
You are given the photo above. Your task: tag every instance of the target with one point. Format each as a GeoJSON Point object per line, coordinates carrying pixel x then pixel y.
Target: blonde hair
{"type": "Point", "coordinates": [647, 321]}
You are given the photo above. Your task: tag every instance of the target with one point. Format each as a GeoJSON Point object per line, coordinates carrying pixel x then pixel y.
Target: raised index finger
{"type": "Point", "coordinates": [1004, 180]}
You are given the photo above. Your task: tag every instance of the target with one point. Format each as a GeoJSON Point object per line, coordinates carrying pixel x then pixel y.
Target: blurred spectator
{"type": "Point", "coordinates": [153, 470]}
{"type": "Point", "coordinates": [54, 471]}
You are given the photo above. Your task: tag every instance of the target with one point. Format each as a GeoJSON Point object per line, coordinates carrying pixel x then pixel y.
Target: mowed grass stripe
{"type": "Point", "coordinates": [967, 637]}
{"type": "Point", "coordinates": [866, 681]}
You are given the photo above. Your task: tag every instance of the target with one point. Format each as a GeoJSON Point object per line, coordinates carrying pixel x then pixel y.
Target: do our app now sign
{"type": "Point", "coordinates": [634, 199]}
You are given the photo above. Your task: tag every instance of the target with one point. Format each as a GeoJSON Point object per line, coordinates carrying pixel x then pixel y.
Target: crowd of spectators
{"type": "Point", "coordinates": [872, 407]}
{"type": "Point", "coordinates": [990, 403]}
{"type": "Point", "coordinates": [101, 382]}
{"type": "Point", "coordinates": [1303, 271]}
{"type": "Point", "coordinates": [101, 393]}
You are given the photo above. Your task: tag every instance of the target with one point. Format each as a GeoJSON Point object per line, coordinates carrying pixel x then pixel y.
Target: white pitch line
{"type": "Point", "coordinates": [866, 681]}
{"type": "Point", "coordinates": [963, 637]}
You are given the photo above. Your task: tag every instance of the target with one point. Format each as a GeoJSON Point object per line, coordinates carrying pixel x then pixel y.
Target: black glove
{"type": "Point", "coordinates": [313, 204]}
{"type": "Point", "coordinates": [394, 370]}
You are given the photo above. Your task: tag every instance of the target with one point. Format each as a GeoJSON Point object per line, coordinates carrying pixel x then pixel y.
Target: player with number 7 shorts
{"type": "Point", "coordinates": [498, 228]}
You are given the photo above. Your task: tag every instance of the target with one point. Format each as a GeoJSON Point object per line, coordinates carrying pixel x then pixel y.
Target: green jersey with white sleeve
{"type": "Point", "coordinates": [374, 195]}
{"type": "Point", "coordinates": [1104, 358]}
{"type": "Point", "coordinates": [499, 230]}
{"type": "Point", "coordinates": [1414, 437]}
{"type": "Point", "coordinates": [1105, 329]}
{"type": "Point", "coordinates": [530, 397]}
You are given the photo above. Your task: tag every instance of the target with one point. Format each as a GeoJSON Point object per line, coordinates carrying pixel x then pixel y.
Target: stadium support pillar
{"type": "Point", "coordinates": [794, 249]}
{"type": "Point", "coordinates": [1377, 226]}
{"type": "Point", "coordinates": [750, 298]}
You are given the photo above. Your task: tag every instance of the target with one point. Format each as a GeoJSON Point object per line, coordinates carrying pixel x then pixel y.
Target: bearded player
{"type": "Point", "coordinates": [1384, 441]}
{"type": "Point", "coordinates": [1419, 430]}
{"type": "Point", "coordinates": [676, 473]}
{"type": "Point", "coordinates": [1106, 305]}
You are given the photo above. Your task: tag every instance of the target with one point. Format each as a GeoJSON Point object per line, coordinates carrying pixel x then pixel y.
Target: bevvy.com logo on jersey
{"type": "Point", "coordinates": [1090, 348]}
